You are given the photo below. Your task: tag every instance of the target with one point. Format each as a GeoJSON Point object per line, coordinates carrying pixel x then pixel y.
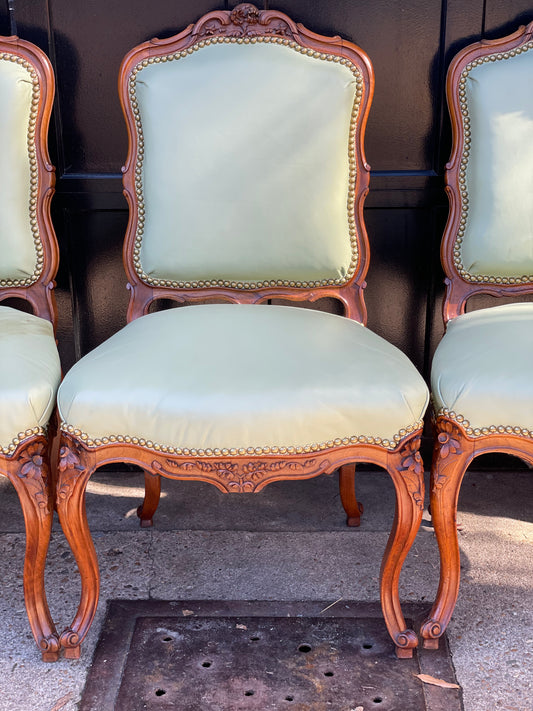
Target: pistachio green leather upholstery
{"type": "Point", "coordinates": [483, 368]}
{"type": "Point", "coordinates": [243, 376]}
{"type": "Point", "coordinates": [17, 248]}
{"type": "Point", "coordinates": [498, 111]}
{"type": "Point", "coordinates": [245, 166]}
{"type": "Point", "coordinates": [29, 375]}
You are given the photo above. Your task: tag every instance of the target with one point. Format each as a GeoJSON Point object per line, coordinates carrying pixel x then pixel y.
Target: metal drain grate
{"type": "Point", "coordinates": [223, 662]}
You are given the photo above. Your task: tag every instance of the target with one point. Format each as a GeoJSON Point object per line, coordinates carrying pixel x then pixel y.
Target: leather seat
{"type": "Point", "coordinates": [482, 370]}
{"type": "Point", "coordinates": [29, 376]}
{"type": "Point", "coordinates": [228, 377]}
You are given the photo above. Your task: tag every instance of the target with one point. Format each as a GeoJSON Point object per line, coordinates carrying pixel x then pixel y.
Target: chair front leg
{"type": "Point", "coordinates": [353, 508]}
{"type": "Point", "coordinates": [152, 494]}
{"type": "Point", "coordinates": [75, 469]}
{"type": "Point", "coordinates": [407, 472]}
{"type": "Point", "coordinates": [30, 477]}
{"type": "Point", "coordinates": [453, 453]}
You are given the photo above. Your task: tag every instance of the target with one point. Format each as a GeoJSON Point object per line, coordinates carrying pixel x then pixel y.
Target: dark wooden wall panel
{"type": "Point", "coordinates": [410, 42]}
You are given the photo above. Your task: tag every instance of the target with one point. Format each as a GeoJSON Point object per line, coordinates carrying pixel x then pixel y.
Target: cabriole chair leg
{"type": "Point", "coordinates": [353, 508]}
{"type": "Point", "coordinates": [407, 473]}
{"type": "Point", "coordinates": [453, 453]}
{"type": "Point", "coordinates": [32, 484]}
{"type": "Point", "coordinates": [75, 470]}
{"type": "Point", "coordinates": [152, 494]}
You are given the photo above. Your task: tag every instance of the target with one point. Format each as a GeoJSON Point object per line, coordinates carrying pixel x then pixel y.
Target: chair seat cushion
{"type": "Point", "coordinates": [29, 375]}
{"type": "Point", "coordinates": [230, 377]}
{"type": "Point", "coordinates": [483, 368]}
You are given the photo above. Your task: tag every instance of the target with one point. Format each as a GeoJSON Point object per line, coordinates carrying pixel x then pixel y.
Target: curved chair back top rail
{"type": "Point", "coordinates": [260, 108]}
{"type": "Point", "coordinates": [488, 241]}
{"type": "Point", "coordinates": [28, 247]}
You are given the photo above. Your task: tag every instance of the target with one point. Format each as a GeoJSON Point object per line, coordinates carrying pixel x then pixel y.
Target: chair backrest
{"type": "Point", "coordinates": [246, 174]}
{"type": "Point", "coordinates": [488, 242]}
{"type": "Point", "coordinates": [28, 248]}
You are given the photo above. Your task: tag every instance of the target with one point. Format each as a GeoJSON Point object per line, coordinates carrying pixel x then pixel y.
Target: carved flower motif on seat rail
{"type": "Point", "coordinates": [32, 461]}
{"type": "Point", "coordinates": [412, 469]}
{"type": "Point", "coordinates": [34, 471]}
{"type": "Point", "coordinates": [238, 477]}
{"type": "Point", "coordinates": [448, 439]}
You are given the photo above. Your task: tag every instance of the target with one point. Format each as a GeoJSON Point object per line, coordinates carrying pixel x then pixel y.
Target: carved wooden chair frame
{"type": "Point", "coordinates": [244, 471]}
{"type": "Point", "coordinates": [456, 442]}
{"type": "Point", "coordinates": [25, 461]}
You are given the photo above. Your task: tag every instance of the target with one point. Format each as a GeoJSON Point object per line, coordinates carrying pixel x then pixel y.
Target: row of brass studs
{"type": "Point", "coordinates": [457, 256]}
{"type": "Point", "coordinates": [235, 451]}
{"type": "Point", "coordinates": [34, 172]}
{"type": "Point", "coordinates": [140, 157]}
{"type": "Point", "coordinates": [481, 431]}
{"type": "Point", "coordinates": [19, 438]}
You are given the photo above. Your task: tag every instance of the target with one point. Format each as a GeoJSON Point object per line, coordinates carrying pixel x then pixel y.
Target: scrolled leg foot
{"type": "Point", "coordinates": [405, 642]}
{"type": "Point", "coordinates": [431, 630]}
{"type": "Point", "coordinates": [70, 642]}
{"type": "Point", "coordinates": [50, 648]}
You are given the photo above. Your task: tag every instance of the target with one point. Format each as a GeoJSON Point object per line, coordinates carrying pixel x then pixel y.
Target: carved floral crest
{"type": "Point", "coordinates": [245, 20]}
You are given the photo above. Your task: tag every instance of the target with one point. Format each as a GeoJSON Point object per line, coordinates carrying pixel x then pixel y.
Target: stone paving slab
{"type": "Point", "coordinates": [491, 633]}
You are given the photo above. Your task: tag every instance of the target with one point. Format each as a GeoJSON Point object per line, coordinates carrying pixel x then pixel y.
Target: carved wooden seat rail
{"type": "Point", "coordinates": [29, 362]}
{"type": "Point", "coordinates": [482, 382]}
{"type": "Point", "coordinates": [245, 179]}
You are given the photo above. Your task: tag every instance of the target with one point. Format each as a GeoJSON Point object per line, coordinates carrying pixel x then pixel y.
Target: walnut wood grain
{"type": "Point", "coordinates": [247, 473]}
{"type": "Point", "coordinates": [28, 467]}
{"type": "Point", "coordinates": [459, 290]}
{"type": "Point", "coordinates": [454, 449]}
{"type": "Point", "coordinates": [239, 474]}
{"type": "Point", "coordinates": [40, 294]}
{"type": "Point", "coordinates": [246, 21]}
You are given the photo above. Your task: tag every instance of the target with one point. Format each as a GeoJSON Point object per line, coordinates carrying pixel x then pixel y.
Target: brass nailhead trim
{"type": "Point", "coordinates": [457, 256]}
{"type": "Point", "coordinates": [21, 436]}
{"type": "Point", "coordinates": [140, 157]}
{"type": "Point", "coordinates": [234, 451]}
{"type": "Point", "coordinates": [34, 172]}
{"type": "Point", "coordinates": [482, 431]}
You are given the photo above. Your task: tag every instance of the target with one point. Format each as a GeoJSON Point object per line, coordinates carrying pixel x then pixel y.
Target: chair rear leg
{"type": "Point", "coordinates": [453, 454]}
{"type": "Point", "coordinates": [74, 474]}
{"type": "Point", "coordinates": [152, 494]}
{"type": "Point", "coordinates": [31, 482]}
{"type": "Point", "coordinates": [353, 508]}
{"type": "Point", "coordinates": [407, 472]}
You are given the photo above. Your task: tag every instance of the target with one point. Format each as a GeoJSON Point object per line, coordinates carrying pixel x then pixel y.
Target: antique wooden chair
{"type": "Point", "coordinates": [482, 379]}
{"type": "Point", "coordinates": [245, 178]}
{"type": "Point", "coordinates": [29, 362]}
